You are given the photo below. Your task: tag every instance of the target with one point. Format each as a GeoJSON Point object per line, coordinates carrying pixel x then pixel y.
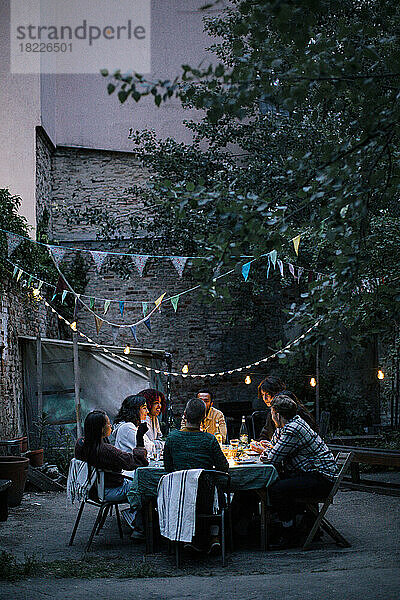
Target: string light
{"type": "Point", "coordinates": [127, 349]}
{"type": "Point", "coordinates": [247, 380]}
{"type": "Point", "coordinates": [313, 382]}
{"type": "Point", "coordinates": [380, 374]}
{"type": "Point", "coordinates": [36, 292]}
{"type": "Point", "coordinates": [185, 369]}
{"type": "Point", "coordinates": [73, 326]}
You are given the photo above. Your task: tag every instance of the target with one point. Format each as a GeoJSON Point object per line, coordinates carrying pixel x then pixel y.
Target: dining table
{"type": "Point", "coordinates": [246, 475]}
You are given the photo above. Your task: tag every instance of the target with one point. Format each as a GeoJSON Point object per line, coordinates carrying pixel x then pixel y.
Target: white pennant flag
{"type": "Point", "coordinates": [291, 269]}
{"type": "Point", "coordinates": [280, 265]}
{"type": "Point", "coordinates": [179, 263]}
{"type": "Point", "coordinates": [13, 241]}
{"type": "Point", "coordinates": [99, 257]}
{"type": "Point", "coordinates": [140, 261]}
{"type": "Point", "coordinates": [299, 273]}
{"type": "Point", "coordinates": [57, 253]}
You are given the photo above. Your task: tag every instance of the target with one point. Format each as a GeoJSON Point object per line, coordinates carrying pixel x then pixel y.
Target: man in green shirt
{"type": "Point", "coordinates": [191, 448]}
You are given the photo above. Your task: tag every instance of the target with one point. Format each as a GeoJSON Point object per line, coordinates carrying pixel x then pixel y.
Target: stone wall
{"type": "Point", "coordinates": [207, 339]}
{"type": "Point", "coordinates": [44, 175]}
{"type": "Point", "coordinates": [20, 315]}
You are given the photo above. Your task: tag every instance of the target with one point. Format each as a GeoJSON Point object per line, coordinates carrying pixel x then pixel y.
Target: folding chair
{"type": "Point", "coordinates": [258, 419]}
{"type": "Point", "coordinates": [95, 496]}
{"type": "Point", "coordinates": [343, 459]}
{"type": "Point", "coordinates": [221, 482]}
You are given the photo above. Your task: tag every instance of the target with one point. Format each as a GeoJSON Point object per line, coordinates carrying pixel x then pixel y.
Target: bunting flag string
{"type": "Point", "coordinates": [279, 353]}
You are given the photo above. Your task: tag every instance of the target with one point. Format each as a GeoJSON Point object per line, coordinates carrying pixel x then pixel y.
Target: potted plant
{"type": "Point", "coordinates": [36, 457]}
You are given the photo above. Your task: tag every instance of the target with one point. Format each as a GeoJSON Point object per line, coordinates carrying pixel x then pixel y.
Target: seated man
{"type": "Point", "coordinates": [309, 468]}
{"type": "Point", "coordinates": [214, 419]}
{"type": "Point", "coordinates": [191, 448]}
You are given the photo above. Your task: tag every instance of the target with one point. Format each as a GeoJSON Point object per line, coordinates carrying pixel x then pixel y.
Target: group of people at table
{"type": "Point", "coordinates": [289, 440]}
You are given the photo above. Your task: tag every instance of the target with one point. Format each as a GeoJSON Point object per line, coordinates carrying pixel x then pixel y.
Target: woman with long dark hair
{"type": "Point", "coordinates": [130, 417]}
{"type": "Point", "coordinates": [268, 389]}
{"type": "Point", "coordinates": [94, 450]}
{"type": "Point", "coordinates": [156, 405]}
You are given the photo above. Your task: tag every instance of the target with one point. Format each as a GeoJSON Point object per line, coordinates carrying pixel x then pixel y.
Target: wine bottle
{"type": "Point", "coordinates": [218, 435]}
{"type": "Point", "coordinates": [243, 434]}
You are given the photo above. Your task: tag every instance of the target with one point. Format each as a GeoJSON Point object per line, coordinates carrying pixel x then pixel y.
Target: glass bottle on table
{"type": "Point", "coordinates": [218, 435]}
{"type": "Point", "coordinates": [243, 434]}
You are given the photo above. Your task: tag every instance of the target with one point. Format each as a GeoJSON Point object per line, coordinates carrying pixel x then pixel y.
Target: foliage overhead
{"type": "Point", "coordinates": [301, 125]}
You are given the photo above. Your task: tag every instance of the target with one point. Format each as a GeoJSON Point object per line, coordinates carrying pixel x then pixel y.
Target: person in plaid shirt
{"type": "Point", "coordinates": [306, 465]}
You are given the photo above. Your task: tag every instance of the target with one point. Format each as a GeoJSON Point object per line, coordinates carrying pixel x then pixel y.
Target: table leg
{"type": "Point", "coordinates": [148, 525]}
{"type": "Point", "coordinates": [265, 520]}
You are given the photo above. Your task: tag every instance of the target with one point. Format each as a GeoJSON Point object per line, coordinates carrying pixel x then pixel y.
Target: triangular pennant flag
{"type": "Point", "coordinates": [121, 308]}
{"type": "Point", "coordinates": [29, 280]}
{"type": "Point", "coordinates": [296, 242]}
{"type": "Point", "coordinates": [99, 323]}
{"type": "Point", "coordinates": [140, 260]}
{"type": "Point", "coordinates": [174, 302]}
{"type": "Point", "coordinates": [179, 263]}
{"type": "Point", "coordinates": [106, 306]}
{"type": "Point", "coordinates": [53, 296]}
{"type": "Point", "coordinates": [13, 241]}
{"type": "Point", "coordinates": [133, 329]}
{"type": "Point", "coordinates": [147, 323]}
{"type": "Point", "coordinates": [65, 292]}
{"type": "Point", "coordinates": [159, 300]}
{"type": "Point", "coordinates": [145, 306]}
{"type": "Point", "coordinates": [15, 271]}
{"type": "Point", "coordinates": [291, 269]}
{"type": "Point", "coordinates": [39, 287]}
{"type": "Point", "coordinates": [280, 265]}
{"type": "Point", "coordinates": [61, 285]}
{"type": "Point", "coordinates": [246, 270]}
{"type": "Point", "coordinates": [299, 272]}
{"type": "Point", "coordinates": [99, 257]}
{"type": "Point", "coordinates": [91, 303]}
{"type": "Point", "coordinates": [115, 332]}
{"type": "Point", "coordinates": [57, 254]}
{"type": "Point", "coordinates": [273, 256]}
{"type": "Point", "coordinates": [269, 266]}
{"type": "Point", "coordinates": [19, 274]}
{"type": "Point", "coordinates": [319, 276]}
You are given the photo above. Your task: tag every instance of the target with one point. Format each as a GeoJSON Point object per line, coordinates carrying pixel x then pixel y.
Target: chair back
{"type": "Point", "coordinates": [343, 460]}
{"type": "Point", "coordinates": [323, 424]}
{"type": "Point", "coordinates": [258, 419]}
{"type": "Point", "coordinates": [84, 481]}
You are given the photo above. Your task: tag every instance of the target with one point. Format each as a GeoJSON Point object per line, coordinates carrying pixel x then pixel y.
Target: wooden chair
{"type": "Point", "coordinates": [343, 459]}
{"type": "Point", "coordinates": [95, 497]}
{"type": "Point", "coordinates": [220, 481]}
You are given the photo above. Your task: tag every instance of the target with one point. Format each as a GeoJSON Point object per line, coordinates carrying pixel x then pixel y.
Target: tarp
{"type": "Point", "coordinates": [104, 381]}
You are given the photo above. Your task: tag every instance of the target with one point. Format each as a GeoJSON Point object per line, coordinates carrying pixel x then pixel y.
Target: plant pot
{"type": "Point", "coordinates": [23, 443]}
{"type": "Point", "coordinates": [14, 468]}
{"type": "Point", "coordinates": [35, 457]}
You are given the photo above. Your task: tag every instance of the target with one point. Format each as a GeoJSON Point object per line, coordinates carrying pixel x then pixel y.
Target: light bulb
{"type": "Point", "coordinates": [127, 349]}
{"type": "Point", "coordinates": [36, 292]}
{"type": "Point", "coordinates": [73, 325]}
{"type": "Point", "coordinates": [185, 369]}
{"type": "Point", "coordinates": [313, 382]}
{"type": "Point", "coordinates": [380, 374]}
{"type": "Point", "coordinates": [247, 380]}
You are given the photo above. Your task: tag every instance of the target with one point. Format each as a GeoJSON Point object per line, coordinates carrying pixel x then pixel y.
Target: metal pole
{"type": "Point", "coordinates": [39, 375]}
{"type": "Point", "coordinates": [317, 386]}
{"type": "Point", "coordinates": [77, 380]}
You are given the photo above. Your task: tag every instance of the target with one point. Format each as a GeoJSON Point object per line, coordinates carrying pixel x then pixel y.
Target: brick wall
{"type": "Point", "coordinates": [20, 315]}
{"type": "Point", "coordinates": [208, 339]}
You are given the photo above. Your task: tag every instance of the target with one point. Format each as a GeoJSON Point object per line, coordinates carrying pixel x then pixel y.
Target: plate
{"type": "Point", "coordinates": [245, 461]}
{"type": "Point", "coordinates": [252, 453]}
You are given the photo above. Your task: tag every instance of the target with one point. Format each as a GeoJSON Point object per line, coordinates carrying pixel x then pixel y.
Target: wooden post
{"type": "Point", "coordinates": [39, 376]}
{"type": "Point", "coordinates": [317, 386]}
{"type": "Point", "coordinates": [77, 380]}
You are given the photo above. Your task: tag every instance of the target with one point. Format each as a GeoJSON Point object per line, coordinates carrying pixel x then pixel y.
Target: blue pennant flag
{"type": "Point", "coordinates": [273, 255]}
{"type": "Point", "coordinates": [246, 270]}
{"type": "Point", "coordinates": [147, 323]}
{"type": "Point", "coordinates": [65, 292]}
{"type": "Point", "coordinates": [53, 296]}
{"type": "Point", "coordinates": [121, 308]}
{"type": "Point", "coordinates": [269, 266]}
{"type": "Point", "coordinates": [133, 329]}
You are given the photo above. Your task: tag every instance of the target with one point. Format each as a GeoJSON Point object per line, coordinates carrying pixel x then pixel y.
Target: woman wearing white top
{"type": "Point", "coordinates": [156, 405]}
{"type": "Point", "coordinates": [133, 411]}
